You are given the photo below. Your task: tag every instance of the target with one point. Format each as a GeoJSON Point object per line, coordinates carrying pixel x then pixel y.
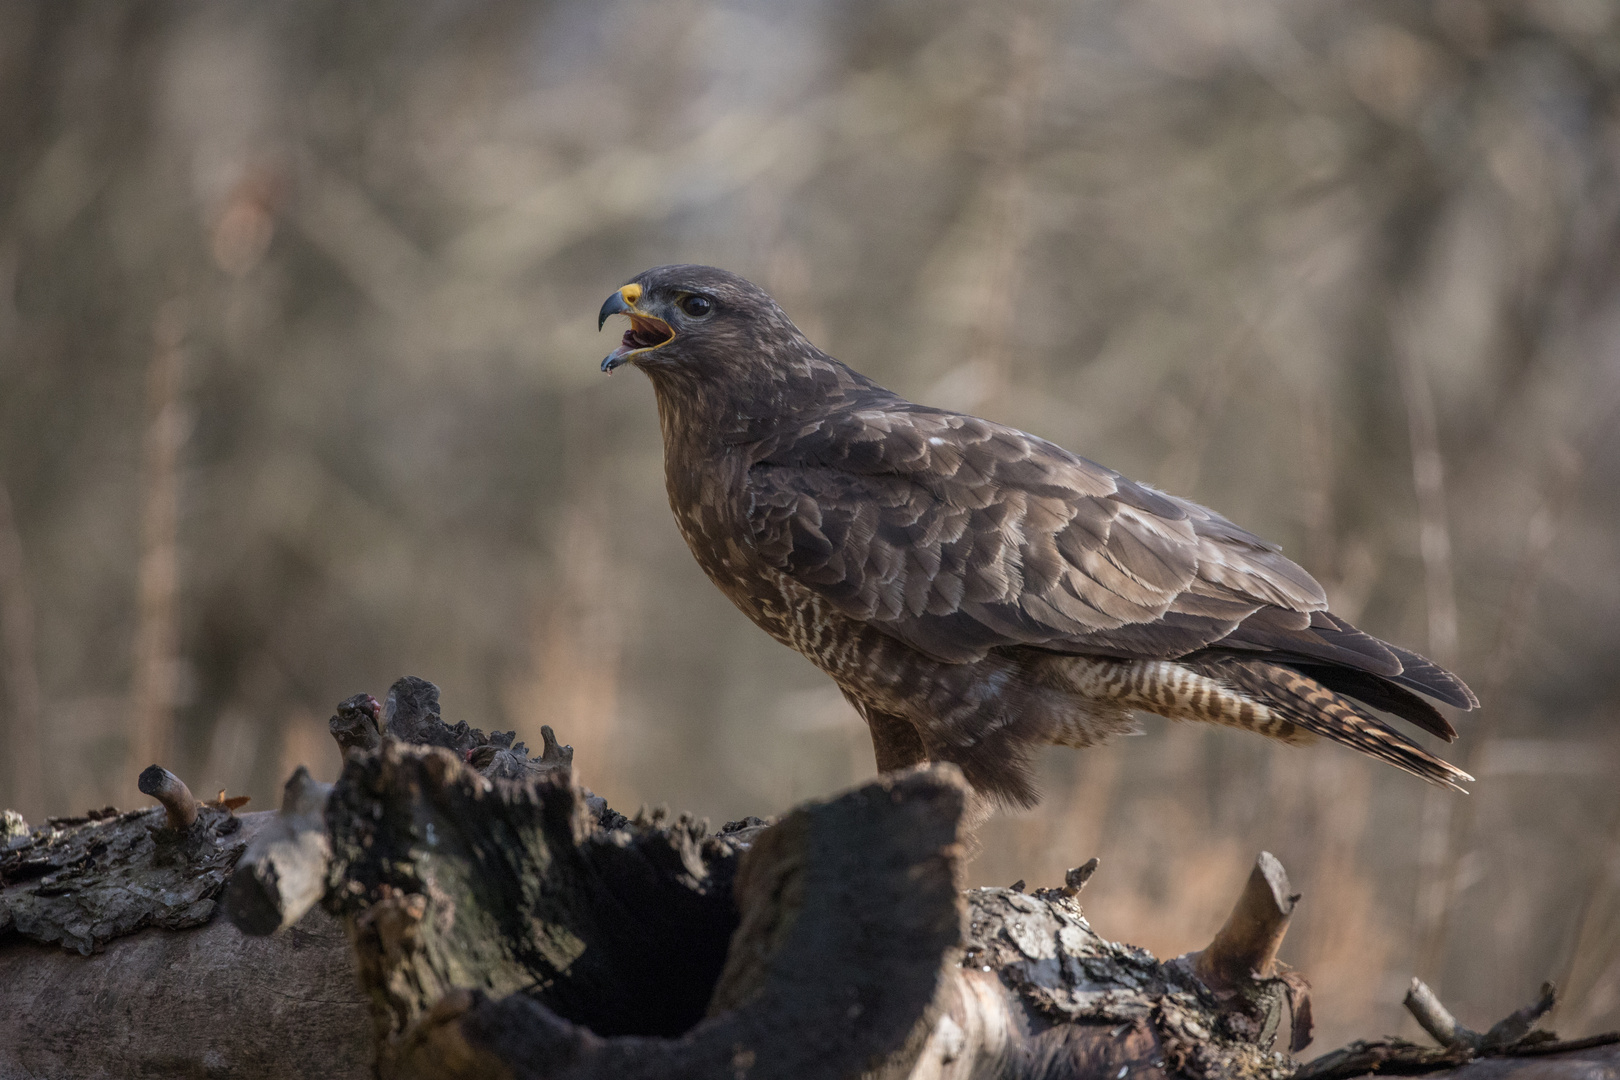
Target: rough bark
{"type": "Point", "coordinates": [80, 882]}
{"type": "Point", "coordinates": [202, 1002]}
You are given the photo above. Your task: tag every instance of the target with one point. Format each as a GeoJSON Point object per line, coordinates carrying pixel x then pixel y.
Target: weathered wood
{"type": "Point", "coordinates": [528, 979]}
{"type": "Point", "coordinates": [1037, 993]}
{"type": "Point", "coordinates": [1247, 943]}
{"type": "Point", "coordinates": [1513, 1047]}
{"type": "Point", "coordinates": [1075, 878]}
{"type": "Point", "coordinates": [172, 792]}
{"type": "Point", "coordinates": [356, 725]}
{"type": "Point", "coordinates": [282, 874]}
{"type": "Point", "coordinates": [832, 967]}
{"type": "Point", "coordinates": [450, 880]}
{"type": "Point", "coordinates": [1240, 965]}
{"type": "Point", "coordinates": [1588, 1063]}
{"type": "Point", "coordinates": [1597, 1058]}
{"type": "Point", "coordinates": [200, 1002]}
{"type": "Point", "coordinates": [506, 923]}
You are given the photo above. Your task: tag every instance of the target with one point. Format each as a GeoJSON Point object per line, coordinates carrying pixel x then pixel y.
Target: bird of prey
{"type": "Point", "coordinates": [977, 592]}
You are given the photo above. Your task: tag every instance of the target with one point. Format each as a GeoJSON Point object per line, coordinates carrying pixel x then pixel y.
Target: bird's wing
{"type": "Point", "coordinates": [957, 535]}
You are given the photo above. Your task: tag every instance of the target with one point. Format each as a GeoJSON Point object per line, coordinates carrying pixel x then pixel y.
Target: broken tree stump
{"type": "Point", "coordinates": [831, 967]}
{"type": "Point", "coordinates": [506, 929]}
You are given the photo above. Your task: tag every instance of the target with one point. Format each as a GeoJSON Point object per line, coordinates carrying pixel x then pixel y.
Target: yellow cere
{"type": "Point", "coordinates": [631, 293]}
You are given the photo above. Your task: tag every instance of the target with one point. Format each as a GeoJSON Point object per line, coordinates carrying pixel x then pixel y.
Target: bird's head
{"type": "Point", "coordinates": [698, 321]}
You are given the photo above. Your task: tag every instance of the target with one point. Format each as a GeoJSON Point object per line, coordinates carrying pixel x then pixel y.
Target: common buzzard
{"type": "Point", "coordinates": [977, 592]}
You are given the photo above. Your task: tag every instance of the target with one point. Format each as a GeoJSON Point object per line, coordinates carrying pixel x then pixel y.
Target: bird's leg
{"type": "Point", "coordinates": [895, 741]}
{"type": "Point", "coordinates": [897, 745]}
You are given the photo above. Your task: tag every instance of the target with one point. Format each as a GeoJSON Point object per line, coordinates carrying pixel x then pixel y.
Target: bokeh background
{"type": "Point", "coordinates": [299, 392]}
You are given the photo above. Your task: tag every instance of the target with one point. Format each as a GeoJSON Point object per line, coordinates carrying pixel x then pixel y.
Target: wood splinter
{"type": "Point", "coordinates": [171, 791]}
{"type": "Point", "coordinates": [282, 874]}
{"type": "Point", "coordinates": [1076, 878]}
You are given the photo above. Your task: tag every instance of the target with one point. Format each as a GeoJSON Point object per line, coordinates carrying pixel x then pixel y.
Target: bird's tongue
{"type": "Point", "coordinates": [643, 334]}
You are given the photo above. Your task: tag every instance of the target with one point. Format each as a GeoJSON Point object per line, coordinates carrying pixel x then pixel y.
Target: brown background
{"type": "Point", "coordinates": [298, 392]}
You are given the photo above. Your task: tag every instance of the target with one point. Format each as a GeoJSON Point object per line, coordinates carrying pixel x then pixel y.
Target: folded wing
{"type": "Point", "coordinates": [957, 535]}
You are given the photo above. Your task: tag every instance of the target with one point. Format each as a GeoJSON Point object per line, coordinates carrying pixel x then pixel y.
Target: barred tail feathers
{"type": "Point", "coordinates": [1254, 695]}
{"type": "Point", "coordinates": [1307, 703]}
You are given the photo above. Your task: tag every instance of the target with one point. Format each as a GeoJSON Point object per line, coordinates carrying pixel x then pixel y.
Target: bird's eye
{"type": "Point", "coordinates": [696, 306]}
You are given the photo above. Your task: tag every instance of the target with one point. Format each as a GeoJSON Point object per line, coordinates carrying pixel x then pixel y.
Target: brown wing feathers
{"type": "Point", "coordinates": [957, 536]}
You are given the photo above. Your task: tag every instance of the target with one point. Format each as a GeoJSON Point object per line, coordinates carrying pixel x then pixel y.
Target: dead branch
{"type": "Point", "coordinates": [1499, 1054]}
{"type": "Point", "coordinates": [172, 792]}
{"type": "Point", "coordinates": [1437, 1020]}
{"type": "Point", "coordinates": [1240, 966]}
{"type": "Point", "coordinates": [1246, 946]}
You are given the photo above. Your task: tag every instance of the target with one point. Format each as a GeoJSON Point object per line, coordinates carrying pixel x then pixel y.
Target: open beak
{"type": "Point", "coordinates": [645, 333]}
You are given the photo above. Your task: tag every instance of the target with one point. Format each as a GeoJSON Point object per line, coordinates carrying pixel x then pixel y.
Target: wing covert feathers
{"type": "Point", "coordinates": [957, 536]}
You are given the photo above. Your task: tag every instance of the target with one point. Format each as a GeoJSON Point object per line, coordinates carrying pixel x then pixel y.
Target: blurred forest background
{"type": "Point", "coordinates": [299, 392]}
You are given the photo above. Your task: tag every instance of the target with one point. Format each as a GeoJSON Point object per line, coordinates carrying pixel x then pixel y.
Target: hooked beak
{"type": "Point", "coordinates": [645, 334]}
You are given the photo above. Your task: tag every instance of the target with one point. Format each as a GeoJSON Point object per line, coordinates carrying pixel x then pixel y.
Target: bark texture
{"type": "Point", "coordinates": [80, 882]}
{"type": "Point", "coordinates": [205, 1001]}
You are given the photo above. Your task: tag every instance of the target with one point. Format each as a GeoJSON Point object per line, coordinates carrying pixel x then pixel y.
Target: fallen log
{"type": "Point", "coordinates": [623, 967]}
{"type": "Point", "coordinates": [486, 917]}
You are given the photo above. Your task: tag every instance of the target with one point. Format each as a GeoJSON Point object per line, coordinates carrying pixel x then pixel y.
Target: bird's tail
{"type": "Point", "coordinates": [1301, 701]}
{"type": "Point", "coordinates": [1236, 691]}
